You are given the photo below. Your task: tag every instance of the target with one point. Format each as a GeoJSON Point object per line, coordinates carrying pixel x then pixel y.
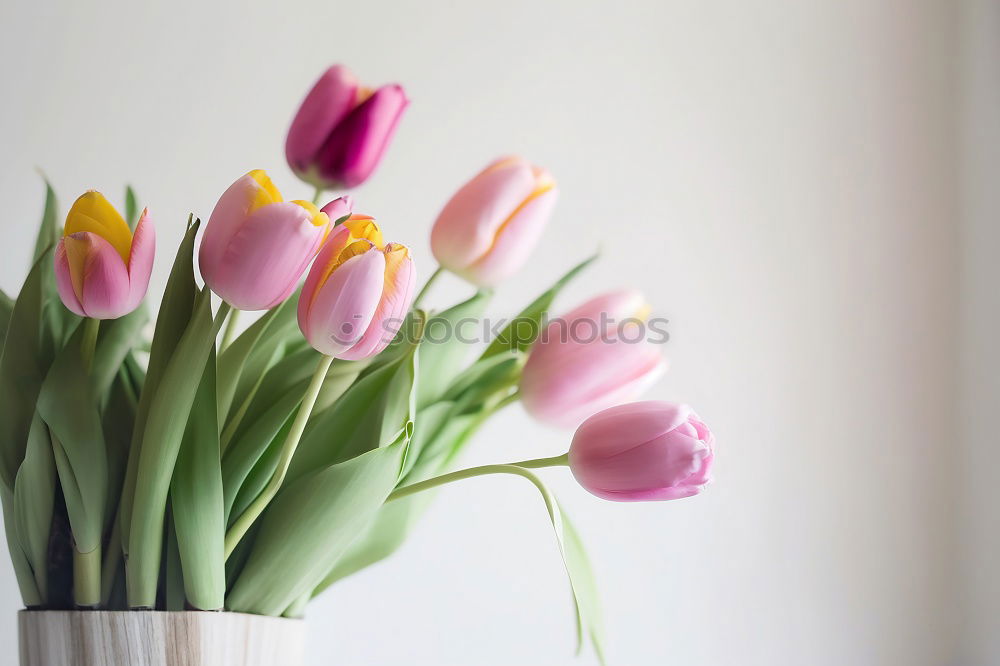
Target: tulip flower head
{"type": "Point", "coordinates": [592, 358]}
{"type": "Point", "coordinates": [643, 451]}
{"type": "Point", "coordinates": [340, 132]}
{"type": "Point", "coordinates": [489, 228]}
{"type": "Point", "coordinates": [256, 245]}
{"type": "Point", "coordinates": [102, 268]}
{"type": "Point", "coordinates": [357, 293]}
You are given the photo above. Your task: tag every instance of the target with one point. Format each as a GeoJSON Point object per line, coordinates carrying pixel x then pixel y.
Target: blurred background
{"type": "Point", "coordinates": [807, 190]}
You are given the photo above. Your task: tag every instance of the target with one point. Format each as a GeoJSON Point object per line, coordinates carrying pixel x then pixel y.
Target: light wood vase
{"type": "Point", "coordinates": [153, 638]}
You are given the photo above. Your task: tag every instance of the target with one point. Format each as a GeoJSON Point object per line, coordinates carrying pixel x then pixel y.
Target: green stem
{"type": "Point", "coordinates": [427, 285]}
{"type": "Point", "coordinates": [518, 468]}
{"type": "Point", "coordinates": [88, 343]}
{"type": "Point", "coordinates": [510, 399]}
{"type": "Point", "coordinates": [317, 195]}
{"type": "Point", "coordinates": [230, 333]}
{"type": "Point", "coordinates": [87, 578]}
{"type": "Point", "coordinates": [247, 518]}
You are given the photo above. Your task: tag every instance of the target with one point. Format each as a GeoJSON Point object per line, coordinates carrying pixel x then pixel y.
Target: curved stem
{"type": "Point", "coordinates": [427, 285]}
{"type": "Point", "coordinates": [88, 343]}
{"type": "Point", "coordinates": [317, 195]}
{"type": "Point", "coordinates": [518, 468]}
{"type": "Point", "coordinates": [247, 518]}
{"type": "Point", "coordinates": [230, 333]}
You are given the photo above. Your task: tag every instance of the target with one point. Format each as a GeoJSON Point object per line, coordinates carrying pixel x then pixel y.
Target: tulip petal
{"type": "Point", "coordinates": [339, 208]}
{"type": "Point", "coordinates": [64, 281]}
{"type": "Point", "coordinates": [91, 212]}
{"type": "Point", "coordinates": [140, 263]}
{"type": "Point", "coordinates": [514, 241]}
{"type": "Point", "coordinates": [355, 146]}
{"type": "Point", "coordinates": [397, 296]}
{"type": "Point", "coordinates": [98, 274]}
{"type": "Point", "coordinates": [467, 226]}
{"type": "Point", "coordinates": [344, 305]}
{"type": "Point", "coordinates": [333, 96]}
{"type": "Point", "coordinates": [263, 261]}
{"type": "Point", "coordinates": [227, 217]}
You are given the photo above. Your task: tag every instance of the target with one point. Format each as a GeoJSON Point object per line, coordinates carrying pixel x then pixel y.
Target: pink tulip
{"type": "Point", "coordinates": [102, 268]}
{"type": "Point", "coordinates": [357, 293]}
{"type": "Point", "coordinates": [488, 229]}
{"type": "Point", "coordinates": [596, 356]}
{"type": "Point", "coordinates": [339, 208]}
{"type": "Point", "coordinates": [643, 451]}
{"type": "Point", "coordinates": [256, 245]}
{"type": "Point", "coordinates": [341, 130]}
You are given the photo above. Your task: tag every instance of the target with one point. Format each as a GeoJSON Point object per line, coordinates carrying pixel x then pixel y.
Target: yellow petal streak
{"type": "Point", "coordinates": [92, 212]}
{"type": "Point", "coordinates": [77, 251]}
{"type": "Point", "coordinates": [544, 186]}
{"type": "Point", "coordinates": [267, 193]}
{"type": "Point", "coordinates": [362, 226]}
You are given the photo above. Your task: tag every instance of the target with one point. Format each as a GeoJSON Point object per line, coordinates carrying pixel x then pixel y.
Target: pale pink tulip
{"type": "Point", "coordinates": [340, 132]}
{"type": "Point", "coordinates": [596, 356]}
{"type": "Point", "coordinates": [102, 268]}
{"type": "Point", "coordinates": [489, 228]}
{"type": "Point", "coordinates": [643, 451]}
{"type": "Point", "coordinates": [256, 245]}
{"type": "Point", "coordinates": [357, 293]}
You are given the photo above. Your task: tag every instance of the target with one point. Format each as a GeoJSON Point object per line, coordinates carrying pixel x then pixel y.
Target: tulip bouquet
{"type": "Point", "coordinates": [199, 469]}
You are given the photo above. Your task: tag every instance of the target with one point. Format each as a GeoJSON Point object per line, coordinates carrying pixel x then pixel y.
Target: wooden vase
{"type": "Point", "coordinates": [154, 638]}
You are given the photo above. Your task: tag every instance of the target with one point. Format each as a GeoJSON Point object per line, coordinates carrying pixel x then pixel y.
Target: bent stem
{"type": "Point", "coordinates": [88, 343]}
{"type": "Point", "coordinates": [247, 518]}
{"type": "Point", "coordinates": [227, 337]}
{"type": "Point", "coordinates": [518, 468]}
{"type": "Point", "coordinates": [427, 285]}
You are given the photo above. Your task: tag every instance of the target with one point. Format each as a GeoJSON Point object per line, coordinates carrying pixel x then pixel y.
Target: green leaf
{"type": "Point", "coordinates": [446, 345]}
{"type": "Point", "coordinates": [161, 441]}
{"type": "Point", "coordinates": [21, 372]}
{"type": "Point", "coordinates": [587, 599]}
{"type": "Point", "coordinates": [290, 555]}
{"type": "Point", "coordinates": [520, 333]}
{"type": "Point", "coordinates": [252, 353]}
{"type": "Point", "coordinates": [171, 322]}
{"type": "Point", "coordinates": [131, 208]}
{"type": "Point", "coordinates": [26, 583]}
{"type": "Point", "coordinates": [68, 405]}
{"type": "Point", "coordinates": [197, 504]}
{"type": "Point", "coordinates": [117, 338]}
{"type": "Point", "coordinates": [6, 308]}
{"type": "Point", "coordinates": [366, 416]}
{"type": "Point", "coordinates": [50, 230]}
{"type": "Point", "coordinates": [34, 496]}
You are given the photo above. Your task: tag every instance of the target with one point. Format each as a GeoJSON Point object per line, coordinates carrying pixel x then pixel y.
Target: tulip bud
{"type": "Point", "coordinates": [341, 130]}
{"type": "Point", "coordinates": [357, 293]}
{"type": "Point", "coordinates": [256, 245]}
{"type": "Point", "coordinates": [102, 268]}
{"type": "Point", "coordinates": [643, 451]}
{"type": "Point", "coordinates": [490, 226]}
{"type": "Point", "coordinates": [594, 357]}
{"type": "Point", "coordinates": [339, 208]}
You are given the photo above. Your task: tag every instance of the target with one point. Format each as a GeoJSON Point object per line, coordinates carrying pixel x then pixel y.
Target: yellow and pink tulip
{"type": "Point", "coordinates": [102, 268]}
{"type": "Point", "coordinates": [357, 293]}
{"type": "Point", "coordinates": [257, 245]}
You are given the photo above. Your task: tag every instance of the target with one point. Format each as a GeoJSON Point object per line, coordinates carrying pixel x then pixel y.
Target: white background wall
{"type": "Point", "coordinates": [779, 177]}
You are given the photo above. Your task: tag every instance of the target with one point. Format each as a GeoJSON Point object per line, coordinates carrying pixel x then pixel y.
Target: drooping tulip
{"type": "Point", "coordinates": [102, 268]}
{"type": "Point", "coordinates": [643, 451]}
{"type": "Point", "coordinates": [357, 293]}
{"type": "Point", "coordinates": [596, 356]}
{"type": "Point", "coordinates": [256, 245]}
{"type": "Point", "coordinates": [342, 129]}
{"type": "Point", "coordinates": [490, 226]}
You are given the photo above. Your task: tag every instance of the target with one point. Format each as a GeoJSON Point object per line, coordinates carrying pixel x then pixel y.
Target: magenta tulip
{"type": "Point", "coordinates": [256, 245]}
{"type": "Point", "coordinates": [596, 356]}
{"type": "Point", "coordinates": [342, 129]}
{"type": "Point", "coordinates": [102, 268]}
{"type": "Point", "coordinates": [357, 293]}
{"type": "Point", "coordinates": [489, 228]}
{"type": "Point", "coordinates": [643, 451]}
